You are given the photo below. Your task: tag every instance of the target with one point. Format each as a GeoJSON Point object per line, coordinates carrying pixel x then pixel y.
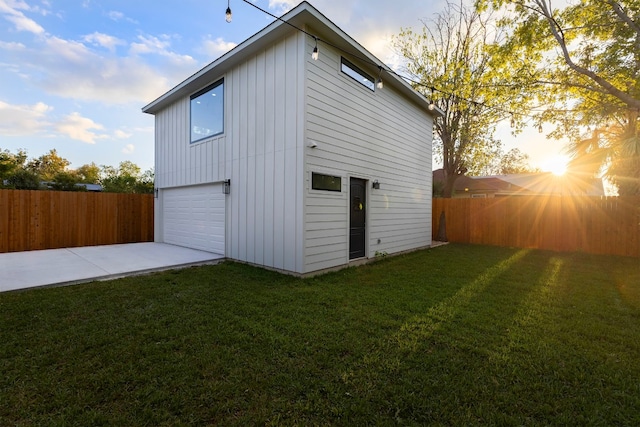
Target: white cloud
{"type": "Point", "coordinates": [119, 16]}
{"type": "Point", "coordinates": [40, 10]}
{"type": "Point", "coordinates": [70, 51]}
{"type": "Point", "coordinates": [13, 68]}
{"type": "Point", "coordinates": [104, 40]}
{"type": "Point", "coordinates": [149, 44]}
{"type": "Point", "coordinates": [7, 5]}
{"type": "Point", "coordinates": [80, 128]}
{"type": "Point", "coordinates": [11, 45]}
{"type": "Point", "coordinates": [22, 23]}
{"type": "Point", "coordinates": [19, 120]}
{"type": "Point", "coordinates": [120, 134]}
{"type": "Point", "coordinates": [115, 15]}
{"type": "Point", "coordinates": [128, 149]}
{"type": "Point", "coordinates": [146, 129]}
{"type": "Point", "coordinates": [79, 69]}
{"type": "Point", "coordinates": [217, 47]}
{"type": "Point", "coordinates": [11, 9]}
{"type": "Point", "coordinates": [282, 6]}
{"type": "Point", "coordinates": [160, 46]}
{"type": "Point", "coordinates": [71, 69]}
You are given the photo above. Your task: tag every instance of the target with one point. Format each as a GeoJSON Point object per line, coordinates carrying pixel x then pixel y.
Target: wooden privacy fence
{"type": "Point", "coordinates": [32, 220]}
{"type": "Point", "coordinates": [587, 224]}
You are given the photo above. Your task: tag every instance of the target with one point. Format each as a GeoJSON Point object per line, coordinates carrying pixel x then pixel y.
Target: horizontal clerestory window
{"type": "Point", "coordinates": [326, 182]}
{"type": "Point", "coordinates": [207, 112]}
{"type": "Point", "coordinates": [357, 74]}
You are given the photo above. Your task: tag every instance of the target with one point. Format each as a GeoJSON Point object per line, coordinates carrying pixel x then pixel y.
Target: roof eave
{"type": "Point", "coordinates": [302, 15]}
{"type": "Point", "coordinates": [219, 66]}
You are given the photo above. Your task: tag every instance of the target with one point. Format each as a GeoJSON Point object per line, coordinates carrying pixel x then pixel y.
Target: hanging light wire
{"type": "Point", "coordinates": [387, 69]}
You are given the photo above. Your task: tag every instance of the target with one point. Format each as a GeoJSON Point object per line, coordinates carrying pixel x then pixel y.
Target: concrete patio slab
{"type": "Point", "coordinates": [56, 267]}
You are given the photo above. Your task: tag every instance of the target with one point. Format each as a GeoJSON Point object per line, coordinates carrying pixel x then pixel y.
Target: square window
{"type": "Point", "coordinates": [207, 112]}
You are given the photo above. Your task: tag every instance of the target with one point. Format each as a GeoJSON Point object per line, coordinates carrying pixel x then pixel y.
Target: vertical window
{"type": "Point", "coordinates": [207, 112]}
{"type": "Point", "coordinates": [357, 74]}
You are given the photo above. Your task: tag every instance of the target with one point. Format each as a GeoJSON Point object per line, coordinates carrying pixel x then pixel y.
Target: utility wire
{"type": "Point", "coordinates": [388, 69]}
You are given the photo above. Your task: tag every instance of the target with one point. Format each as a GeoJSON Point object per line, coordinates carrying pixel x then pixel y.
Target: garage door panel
{"type": "Point", "coordinates": [194, 217]}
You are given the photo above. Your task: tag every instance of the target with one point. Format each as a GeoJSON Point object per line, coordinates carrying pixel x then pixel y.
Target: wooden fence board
{"type": "Point", "coordinates": [33, 220]}
{"type": "Point", "coordinates": [593, 225]}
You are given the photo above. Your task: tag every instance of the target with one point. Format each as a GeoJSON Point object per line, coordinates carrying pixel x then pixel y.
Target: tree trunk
{"type": "Point", "coordinates": [449, 184]}
{"type": "Point", "coordinates": [442, 228]}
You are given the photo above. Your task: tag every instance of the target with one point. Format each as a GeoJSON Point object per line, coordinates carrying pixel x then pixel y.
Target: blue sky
{"type": "Point", "coordinates": [74, 75]}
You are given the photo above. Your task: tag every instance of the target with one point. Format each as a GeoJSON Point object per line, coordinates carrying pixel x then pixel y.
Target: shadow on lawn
{"type": "Point", "coordinates": [516, 345]}
{"type": "Point", "coordinates": [458, 335]}
{"type": "Point", "coordinates": [421, 327]}
{"type": "Point", "coordinates": [440, 360]}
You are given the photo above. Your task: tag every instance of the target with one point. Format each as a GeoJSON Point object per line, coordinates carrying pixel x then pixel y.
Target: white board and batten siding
{"type": "Point", "coordinates": [179, 163]}
{"type": "Point", "coordinates": [265, 104]}
{"type": "Point", "coordinates": [261, 151]}
{"type": "Point", "coordinates": [188, 205]}
{"type": "Point", "coordinates": [277, 100]}
{"type": "Point", "coordinates": [377, 135]}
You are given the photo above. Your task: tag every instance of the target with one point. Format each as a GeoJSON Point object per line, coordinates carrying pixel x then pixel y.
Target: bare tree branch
{"type": "Point", "coordinates": [624, 16]}
{"type": "Point", "coordinates": [556, 31]}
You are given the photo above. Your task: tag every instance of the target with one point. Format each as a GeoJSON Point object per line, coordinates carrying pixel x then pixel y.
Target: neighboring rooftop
{"type": "Point", "coordinates": [529, 184]}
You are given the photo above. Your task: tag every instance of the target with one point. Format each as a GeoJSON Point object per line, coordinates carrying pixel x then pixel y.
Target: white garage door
{"type": "Point", "coordinates": [194, 217]}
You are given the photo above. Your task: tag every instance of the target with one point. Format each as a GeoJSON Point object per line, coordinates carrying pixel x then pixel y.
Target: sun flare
{"type": "Point", "coordinates": [556, 165]}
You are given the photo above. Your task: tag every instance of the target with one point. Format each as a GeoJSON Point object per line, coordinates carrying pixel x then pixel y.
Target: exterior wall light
{"type": "Point", "coordinates": [376, 185]}
{"type": "Point", "coordinates": [314, 54]}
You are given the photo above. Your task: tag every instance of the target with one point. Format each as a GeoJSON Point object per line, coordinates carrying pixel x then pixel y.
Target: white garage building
{"type": "Point", "coordinates": [270, 157]}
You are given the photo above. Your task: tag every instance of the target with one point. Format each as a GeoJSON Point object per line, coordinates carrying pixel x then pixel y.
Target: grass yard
{"type": "Point", "coordinates": [455, 335]}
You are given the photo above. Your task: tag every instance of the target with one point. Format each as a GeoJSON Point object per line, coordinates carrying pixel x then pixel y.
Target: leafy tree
{"type": "Point", "coordinates": [588, 71]}
{"type": "Point", "coordinates": [11, 163]}
{"type": "Point", "coordinates": [146, 182]}
{"type": "Point", "coordinates": [116, 181]}
{"type": "Point", "coordinates": [88, 174]}
{"type": "Point", "coordinates": [483, 159]}
{"type": "Point", "coordinates": [514, 161]}
{"type": "Point", "coordinates": [66, 181]}
{"type": "Point", "coordinates": [126, 178]}
{"type": "Point", "coordinates": [48, 165]}
{"type": "Point", "coordinates": [23, 179]}
{"type": "Point", "coordinates": [455, 54]}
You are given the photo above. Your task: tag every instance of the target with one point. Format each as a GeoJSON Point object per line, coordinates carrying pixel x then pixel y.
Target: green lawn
{"type": "Point", "coordinates": [455, 335]}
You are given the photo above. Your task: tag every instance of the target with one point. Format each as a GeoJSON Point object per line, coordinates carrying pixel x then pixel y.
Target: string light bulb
{"type": "Point", "coordinates": [540, 128]}
{"type": "Point", "coordinates": [513, 121]}
{"type": "Point", "coordinates": [228, 15]}
{"type": "Point", "coordinates": [379, 83]}
{"type": "Point", "coordinates": [431, 106]}
{"type": "Point", "coordinates": [314, 54]}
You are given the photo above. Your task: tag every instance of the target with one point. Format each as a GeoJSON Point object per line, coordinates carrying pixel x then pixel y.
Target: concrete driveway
{"type": "Point", "coordinates": [55, 267]}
